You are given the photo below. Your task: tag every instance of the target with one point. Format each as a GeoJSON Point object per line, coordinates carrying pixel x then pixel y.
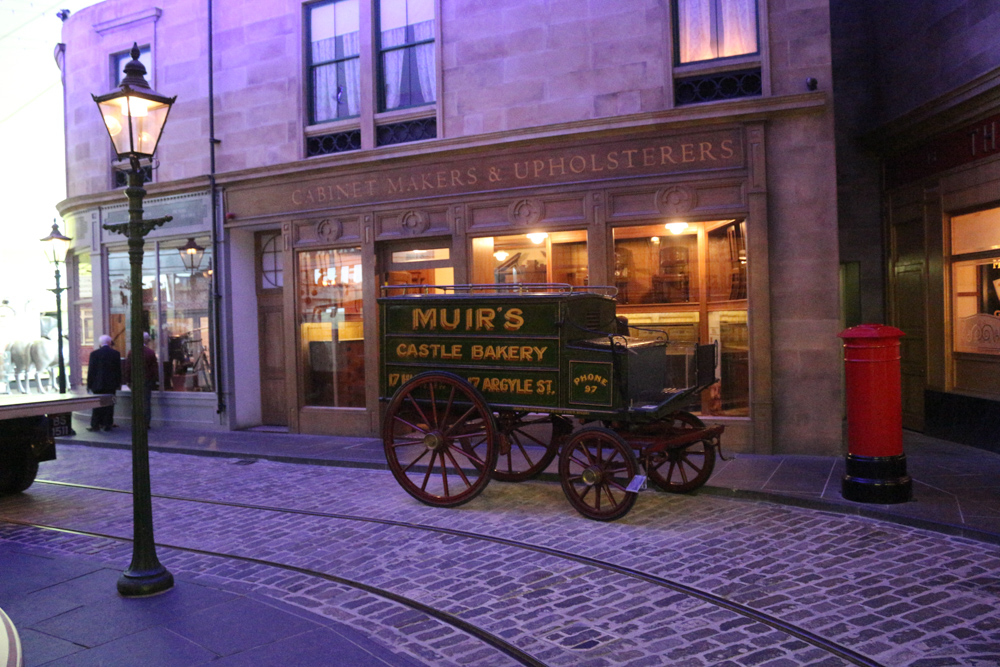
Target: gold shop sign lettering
{"type": "Point", "coordinates": [473, 351]}
{"type": "Point", "coordinates": [508, 386]}
{"type": "Point", "coordinates": [642, 156]}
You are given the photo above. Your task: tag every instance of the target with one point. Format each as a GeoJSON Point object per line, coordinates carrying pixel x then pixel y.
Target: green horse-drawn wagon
{"type": "Point", "coordinates": [488, 381]}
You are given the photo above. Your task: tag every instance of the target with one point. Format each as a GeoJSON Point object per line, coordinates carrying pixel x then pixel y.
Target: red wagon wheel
{"type": "Point", "coordinates": [440, 439]}
{"type": "Point", "coordinates": [528, 443]}
{"type": "Point", "coordinates": [595, 466]}
{"type": "Point", "coordinates": [681, 469]}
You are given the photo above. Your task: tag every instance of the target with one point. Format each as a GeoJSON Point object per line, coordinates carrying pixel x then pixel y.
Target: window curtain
{"type": "Point", "coordinates": [327, 78]}
{"type": "Point", "coordinates": [352, 73]}
{"type": "Point", "coordinates": [694, 22]}
{"type": "Point", "coordinates": [392, 65]}
{"type": "Point", "coordinates": [716, 28]}
{"type": "Point", "coordinates": [425, 60]}
{"type": "Point", "coordinates": [739, 28]}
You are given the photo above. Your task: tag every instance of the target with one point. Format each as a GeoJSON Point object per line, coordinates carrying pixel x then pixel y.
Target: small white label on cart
{"type": "Point", "coordinates": [637, 484]}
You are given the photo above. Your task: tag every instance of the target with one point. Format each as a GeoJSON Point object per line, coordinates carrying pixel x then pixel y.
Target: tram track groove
{"type": "Point", "coordinates": [443, 616]}
{"type": "Point", "coordinates": [831, 647]}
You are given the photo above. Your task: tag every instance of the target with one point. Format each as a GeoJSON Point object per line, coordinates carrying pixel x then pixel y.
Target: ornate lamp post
{"type": "Point", "coordinates": [134, 115]}
{"type": "Point", "coordinates": [56, 252]}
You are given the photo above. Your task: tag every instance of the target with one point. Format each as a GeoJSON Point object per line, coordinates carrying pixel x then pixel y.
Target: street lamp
{"type": "Point", "coordinates": [191, 254]}
{"type": "Point", "coordinates": [56, 252]}
{"type": "Point", "coordinates": [134, 115]}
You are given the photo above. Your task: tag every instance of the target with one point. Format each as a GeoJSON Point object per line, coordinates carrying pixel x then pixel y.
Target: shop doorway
{"type": "Point", "coordinates": [271, 328]}
{"type": "Point", "coordinates": [418, 262]}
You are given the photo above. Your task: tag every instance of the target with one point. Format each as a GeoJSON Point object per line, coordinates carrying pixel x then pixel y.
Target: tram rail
{"type": "Point", "coordinates": [831, 648]}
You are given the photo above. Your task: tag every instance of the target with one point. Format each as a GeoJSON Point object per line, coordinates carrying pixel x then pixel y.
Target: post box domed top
{"type": "Point", "coordinates": [871, 331]}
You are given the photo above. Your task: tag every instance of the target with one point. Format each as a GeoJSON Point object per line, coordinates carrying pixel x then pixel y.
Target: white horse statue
{"type": "Point", "coordinates": [42, 355]}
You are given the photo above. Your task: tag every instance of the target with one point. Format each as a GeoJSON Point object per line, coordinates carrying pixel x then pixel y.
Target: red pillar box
{"type": "Point", "coordinates": [876, 465]}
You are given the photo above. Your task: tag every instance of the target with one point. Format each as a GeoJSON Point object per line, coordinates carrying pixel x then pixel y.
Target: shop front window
{"type": "Point", "coordinates": [82, 294]}
{"type": "Point", "coordinates": [176, 312]}
{"type": "Point", "coordinates": [120, 310]}
{"type": "Point", "coordinates": [331, 327]}
{"type": "Point", "coordinates": [975, 282]}
{"type": "Point", "coordinates": [532, 258]}
{"type": "Point", "coordinates": [186, 306]}
{"type": "Point", "coordinates": [688, 280]}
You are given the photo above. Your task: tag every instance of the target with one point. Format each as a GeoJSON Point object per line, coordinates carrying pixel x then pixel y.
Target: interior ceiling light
{"type": "Point", "coordinates": [537, 237]}
{"type": "Point", "coordinates": [676, 227]}
{"type": "Point", "coordinates": [500, 255]}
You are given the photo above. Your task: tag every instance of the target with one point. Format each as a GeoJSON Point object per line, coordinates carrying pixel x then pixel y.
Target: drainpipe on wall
{"type": "Point", "coordinates": [216, 273]}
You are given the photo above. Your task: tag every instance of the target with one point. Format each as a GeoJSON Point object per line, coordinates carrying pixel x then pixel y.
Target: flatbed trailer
{"type": "Point", "coordinates": [29, 425]}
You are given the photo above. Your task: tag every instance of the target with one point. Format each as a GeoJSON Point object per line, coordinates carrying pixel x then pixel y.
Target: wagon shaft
{"type": "Point", "coordinates": [653, 444]}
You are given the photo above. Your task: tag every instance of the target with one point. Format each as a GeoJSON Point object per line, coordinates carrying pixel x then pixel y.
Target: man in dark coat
{"type": "Point", "coordinates": [104, 376]}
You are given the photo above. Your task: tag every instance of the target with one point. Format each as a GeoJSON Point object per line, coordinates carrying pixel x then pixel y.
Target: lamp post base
{"type": "Point", "coordinates": [135, 584]}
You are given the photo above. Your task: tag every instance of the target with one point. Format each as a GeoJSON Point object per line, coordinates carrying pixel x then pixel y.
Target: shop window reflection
{"type": "Point", "coordinates": [177, 312]}
{"type": "Point", "coordinates": [689, 281]}
{"type": "Point", "coordinates": [119, 310]}
{"type": "Point", "coordinates": [332, 352]}
{"type": "Point", "coordinates": [535, 257]}
{"type": "Point", "coordinates": [185, 302]}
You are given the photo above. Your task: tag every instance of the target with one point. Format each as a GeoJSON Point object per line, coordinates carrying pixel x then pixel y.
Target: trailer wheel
{"type": "Point", "coordinates": [440, 439]}
{"type": "Point", "coordinates": [595, 466]}
{"type": "Point", "coordinates": [18, 473]}
{"type": "Point", "coordinates": [528, 443]}
{"type": "Point", "coordinates": [681, 469]}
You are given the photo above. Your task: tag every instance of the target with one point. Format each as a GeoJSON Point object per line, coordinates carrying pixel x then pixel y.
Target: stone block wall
{"type": "Point", "coordinates": [506, 66]}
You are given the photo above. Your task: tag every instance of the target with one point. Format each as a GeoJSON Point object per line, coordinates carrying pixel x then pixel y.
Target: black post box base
{"type": "Point", "coordinates": [877, 479]}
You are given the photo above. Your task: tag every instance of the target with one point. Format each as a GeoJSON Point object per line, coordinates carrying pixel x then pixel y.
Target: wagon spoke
{"type": "Point", "coordinates": [447, 408]}
{"type": "Point", "coordinates": [416, 406]}
{"type": "Point", "coordinates": [461, 420]}
{"type": "Point", "coordinates": [444, 475]}
{"type": "Point", "coordinates": [471, 455]}
{"type": "Point", "coordinates": [416, 461]}
{"type": "Point", "coordinates": [523, 450]}
{"type": "Point", "coordinates": [415, 427]}
{"type": "Point", "coordinates": [430, 469]}
{"type": "Point", "coordinates": [458, 468]}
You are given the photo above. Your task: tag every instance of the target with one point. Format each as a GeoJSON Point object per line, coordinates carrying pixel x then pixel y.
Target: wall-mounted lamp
{"type": "Point", "coordinates": [655, 240]}
{"type": "Point", "coordinates": [191, 254]}
{"type": "Point", "coordinates": [676, 227]}
{"type": "Point", "coordinates": [537, 237]}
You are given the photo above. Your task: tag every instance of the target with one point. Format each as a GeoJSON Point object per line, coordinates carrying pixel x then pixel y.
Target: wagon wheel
{"type": "Point", "coordinates": [595, 466]}
{"type": "Point", "coordinates": [440, 439]}
{"type": "Point", "coordinates": [528, 443]}
{"type": "Point", "coordinates": [681, 469]}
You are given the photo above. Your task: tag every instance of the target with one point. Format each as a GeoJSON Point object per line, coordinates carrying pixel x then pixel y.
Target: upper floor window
{"type": "Point", "coordinates": [334, 60]}
{"type": "Point", "coordinates": [119, 60]}
{"type": "Point", "coordinates": [710, 29]}
{"type": "Point", "coordinates": [407, 69]}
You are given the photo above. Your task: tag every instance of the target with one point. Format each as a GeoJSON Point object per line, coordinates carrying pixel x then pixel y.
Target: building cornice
{"type": "Point", "coordinates": [732, 112]}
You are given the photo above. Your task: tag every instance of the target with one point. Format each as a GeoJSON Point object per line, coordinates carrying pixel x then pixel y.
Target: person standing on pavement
{"type": "Point", "coordinates": [152, 374]}
{"type": "Point", "coordinates": [104, 376]}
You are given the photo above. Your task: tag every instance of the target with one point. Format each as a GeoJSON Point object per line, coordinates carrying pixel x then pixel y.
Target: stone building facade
{"type": "Point", "coordinates": [920, 155]}
{"type": "Point", "coordinates": [319, 150]}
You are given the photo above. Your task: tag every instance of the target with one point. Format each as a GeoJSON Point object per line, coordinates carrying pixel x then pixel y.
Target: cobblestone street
{"type": "Point", "coordinates": [895, 595]}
